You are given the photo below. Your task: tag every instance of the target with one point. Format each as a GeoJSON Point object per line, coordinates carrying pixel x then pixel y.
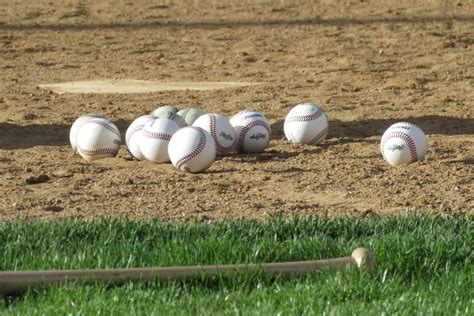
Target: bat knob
{"type": "Point", "coordinates": [363, 259]}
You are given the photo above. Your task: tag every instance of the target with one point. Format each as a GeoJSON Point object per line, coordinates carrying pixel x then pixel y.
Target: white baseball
{"type": "Point", "coordinates": [403, 143]}
{"type": "Point", "coordinates": [163, 109]}
{"type": "Point", "coordinates": [220, 129]}
{"type": "Point", "coordinates": [190, 115]}
{"type": "Point", "coordinates": [77, 123]}
{"type": "Point", "coordinates": [132, 135]}
{"type": "Point", "coordinates": [192, 149]}
{"type": "Point", "coordinates": [170, 115]}
{"type": "Point", "coordinates": [306, 123]}
{"type": "Point", "coordinates": [252, 131]}
{"type": "Point", "coordinates": [98, 138]}
{"type": "Point", "coordinates": [154, 139]}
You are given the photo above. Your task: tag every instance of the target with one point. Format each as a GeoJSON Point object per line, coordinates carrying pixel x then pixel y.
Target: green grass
{"type": "Point", "coordinates": [424, 266]}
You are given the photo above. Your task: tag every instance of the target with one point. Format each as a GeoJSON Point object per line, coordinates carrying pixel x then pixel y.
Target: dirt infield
{"type": "Point", "coordinates": [366, 63]}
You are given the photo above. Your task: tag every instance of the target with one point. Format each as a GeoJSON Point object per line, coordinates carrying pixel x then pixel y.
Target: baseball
{"type": "Point", "coordinates": [172, 117]}
{"type": "Point", "coordinates": [154, 139]}
{"type": "Point", "coordinates": [132, 135]}
{"type": "Point", "coordinates": [190, 115]}
{"type": "Point", "coordinates": [78, 123]}
{"type": "Point", "coordinates": [252, 131]}
{"type": "Point", "coordinates": [403, 143]}
{"type": "Point", "coordinates": [306, 123]}
{"type": "Point", "coordinates": [164, 108]}
{"type": "Point", "coordinates": [192, 149]}
{"type": "Point", "coordinates": [220, 129]}
{"type": "Point", "coordinates": [98, 138]}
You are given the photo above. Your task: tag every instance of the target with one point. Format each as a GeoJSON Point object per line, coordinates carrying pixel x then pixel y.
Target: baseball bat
{"type": "Point", "coordinates": [17, 282]}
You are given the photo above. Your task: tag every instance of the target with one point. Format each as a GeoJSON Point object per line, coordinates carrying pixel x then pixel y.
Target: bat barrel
{"type": "Point", "coordinates": [19, 281]}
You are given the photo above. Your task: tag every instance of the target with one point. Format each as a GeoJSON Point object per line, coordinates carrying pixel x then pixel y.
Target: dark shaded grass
{"type": "Point", "coordinates": [425, 265]}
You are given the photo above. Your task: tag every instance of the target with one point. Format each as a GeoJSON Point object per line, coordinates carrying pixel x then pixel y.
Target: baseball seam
{"type": "Point", "coordinates": [98, 151]}
{"type": "Point", "coordinates": [133, 131]}
{"type": "Point", "coordinates": [156, 135]}
{"type": "Point", "coordinates": [108, 127]}
{"type": "Point", "coordinates": [247, 127]}
{"type": "Point", "coordinates": [196, 151]}
{"type": "Point", "coordinates": [305, 118]}
{"type": "Point", "coordinates": [408, 140]}
{"type": "Point", "coordinates": [213, 128]}
{"type": "Point", "coordinates": [320, 136]}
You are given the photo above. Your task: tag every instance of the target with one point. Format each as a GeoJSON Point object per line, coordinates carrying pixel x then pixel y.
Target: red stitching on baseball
{"type": "Point", "coordinates": [156, 135]}
{"type": "Point", "coordinates": [196, 151]}
{"type": "Point", "coordinates": [108, 127]}
{"type": "Point", "coordinates": [408, 140]}
{"type": "Point", "coordinates": [319, 136]}
{"type": "Point", "coordinates": [305, 118]}
{"type": "Point", "coordinates": [213, 128]}
{"type": "Point", "coordinates": [247, 127]}
{"type": "Point", "coordinates": [137, 128]}
{"type": "Point", "coordinates": [100, 151]}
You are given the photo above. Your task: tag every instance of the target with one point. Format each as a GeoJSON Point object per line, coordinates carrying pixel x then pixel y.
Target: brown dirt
{"type": "Point", "coordinates": [368, 63]}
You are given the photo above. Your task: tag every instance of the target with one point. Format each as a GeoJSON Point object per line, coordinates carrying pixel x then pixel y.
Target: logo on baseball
{"type": "Point", "coordinates": [192, 149]}
{"type": "Point", "coordinates": [252, 131]}
{"type": "Point", "coordinates": [77, 124]}
{"type": "Point", "coordinates": [220, 129]}
{"type": "Point", "coordinates": [403, 143]}
{"type": "Point", "coordinates": [172, 117]}
{"type": "Point", "coordinates": [132, 135]}
{"type": "Point", "coordinates": [154, 139]}
{"type": "Point", "coordinates": [98, 138]}
{"type": "Point", "coordinates": [306, 123]}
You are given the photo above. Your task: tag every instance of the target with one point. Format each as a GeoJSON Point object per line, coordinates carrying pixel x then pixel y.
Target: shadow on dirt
{"type": "Point", "coordinates": [358, 131]}
{"type": "Point", "coordinates": [14, 136]}
{"type": "Point", "coordinates": [287, 170]}
{"type": "Point", "coordinates": [463, 161]}
{"type": "Point", "coordinates": [271, 155]}
{"type": "Point", "coordinates": [230, 170]}
{"type": "Point", "coordinates": [237, 24]}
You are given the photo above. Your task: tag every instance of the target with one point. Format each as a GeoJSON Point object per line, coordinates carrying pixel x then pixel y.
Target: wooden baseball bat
{"type": "Point", "coordinates": [17, 282]}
